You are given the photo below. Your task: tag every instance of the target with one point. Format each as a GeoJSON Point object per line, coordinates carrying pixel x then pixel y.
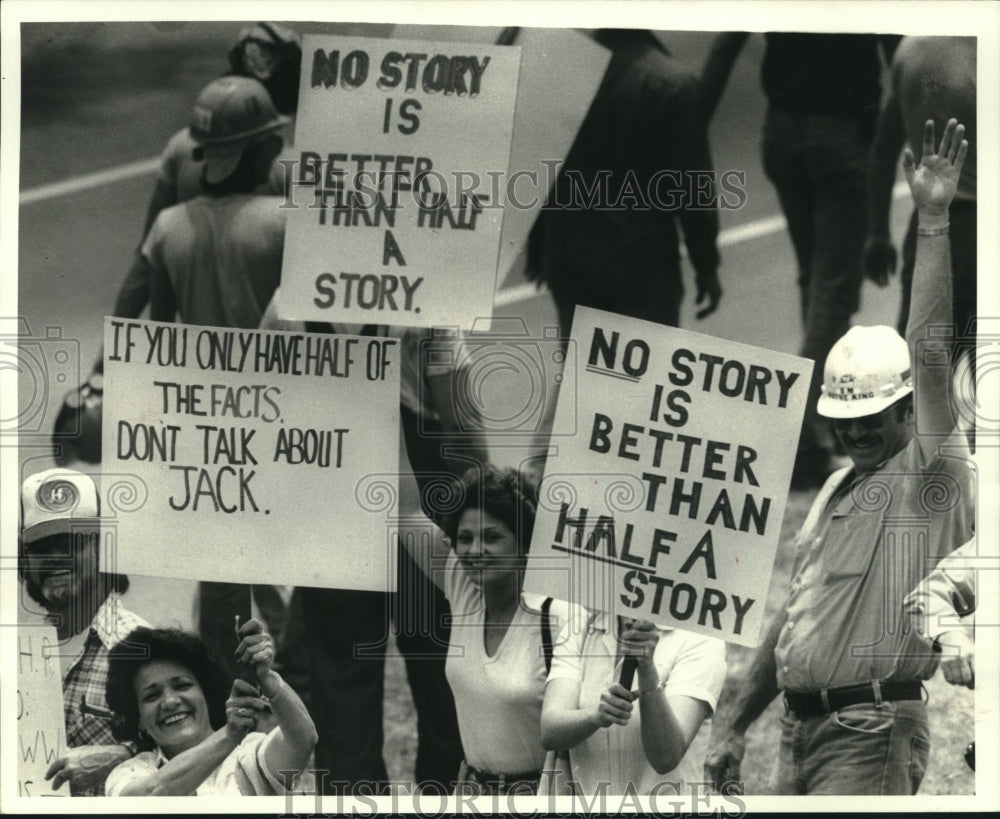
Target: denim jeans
{"type": "Point", "coordinates": [860, 750]}
{"type": "Point", "coordinates": [819, 166]}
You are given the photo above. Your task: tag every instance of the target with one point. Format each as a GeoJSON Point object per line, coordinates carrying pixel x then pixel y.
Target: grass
{"type": "Point", "coordinates": [950, 708]}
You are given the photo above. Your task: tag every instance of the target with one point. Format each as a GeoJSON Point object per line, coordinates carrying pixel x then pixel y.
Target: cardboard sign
{"type": "Point", "coordinates": [238, 454]}
{"type": "Point", "coordinates": [667, 505]}
{"type": "Point", "coordinates": [401, 149]}
{"type": "Point", "coordinates": [41, 728]}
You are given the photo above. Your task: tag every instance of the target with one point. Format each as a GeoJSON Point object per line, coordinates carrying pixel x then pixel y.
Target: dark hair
{"type": "Point", "coordinates": [507, 494]}
{"type": "Point", "coordinates": [144, 645]}
{"type": "Point", "coordinates": [108, 582]}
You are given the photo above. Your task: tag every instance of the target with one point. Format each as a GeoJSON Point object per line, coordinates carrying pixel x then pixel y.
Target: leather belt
{"type": "Point", "coordinates": [526, 782]}
{"type": "Point", "coordinates": [818, 703]}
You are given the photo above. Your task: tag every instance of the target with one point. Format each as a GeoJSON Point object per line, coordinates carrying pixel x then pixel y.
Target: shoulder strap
{"type": "Point", "coordinates": [547, 633]}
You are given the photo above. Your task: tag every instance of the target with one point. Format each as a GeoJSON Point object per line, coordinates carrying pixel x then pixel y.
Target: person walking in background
{"type": "Point", "coordinates": [932, 78]}
{"type": "Point", "coordinates": [823, 94]}
{"type": "Point", "coordinates": [851, 672]}
{"type": "Point", "coordinates": [266, 52]}
{"type": "Point", "coordinates": [639, 171]}
{"type": "Point", "coordinates": [215, 260]}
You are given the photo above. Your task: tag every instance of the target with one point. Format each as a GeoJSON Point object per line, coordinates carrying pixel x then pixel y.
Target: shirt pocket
{"type": "Point", "coordinates": [847, 548]}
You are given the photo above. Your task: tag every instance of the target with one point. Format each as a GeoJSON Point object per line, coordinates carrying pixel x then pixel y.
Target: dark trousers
{"type": "Point", "coordinates": [652, 296]}
{"type": "Point", "coordinates": [819, 166]}
{"type": "Point", "coordinates": [339, 638]}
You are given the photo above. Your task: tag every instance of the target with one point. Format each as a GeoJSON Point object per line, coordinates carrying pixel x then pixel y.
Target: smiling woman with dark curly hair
{"type": "Point", "coordinates": [496, 663]}
{"type": "Point", "coordinates": [169, 695]}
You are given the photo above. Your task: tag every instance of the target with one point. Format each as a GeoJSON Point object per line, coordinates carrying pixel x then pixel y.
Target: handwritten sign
{"type": "Point", "coordinates": [667, 505]}
{"type": "Point", "coordinates": [395, 215]}
{"type": "Point", "coordinates": [243, 450]}
{"type": "Point", "coordinates": [41, 729]}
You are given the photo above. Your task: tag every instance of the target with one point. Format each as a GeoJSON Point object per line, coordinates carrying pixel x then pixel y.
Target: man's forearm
{"type": "Point", "coordinates": [886, 148]}
{"type": "Point", "coordinates": [744, 697]}
{"type": "Point", "coordinates": [718, 65]}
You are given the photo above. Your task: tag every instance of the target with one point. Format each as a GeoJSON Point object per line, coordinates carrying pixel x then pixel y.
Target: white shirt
{"type": "Point", "coordinates": [498, 699]}
{"type": "Point", "coordinates": [692, 665]}
{"type": "Point", "coordinates": [243, 772]}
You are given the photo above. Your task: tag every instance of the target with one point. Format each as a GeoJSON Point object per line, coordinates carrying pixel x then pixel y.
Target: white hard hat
{"type": "Point", "coordinates": [866, 370]}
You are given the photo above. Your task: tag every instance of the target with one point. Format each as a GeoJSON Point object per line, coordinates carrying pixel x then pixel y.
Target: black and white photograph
{"type": "Point", "coordinates": [487, 407]}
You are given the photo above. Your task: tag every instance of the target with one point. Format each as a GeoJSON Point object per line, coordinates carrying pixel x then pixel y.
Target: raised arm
{"type": "Point", "coordinates": [715, 73]}
{"type": "Point", "coordinates": [932, 185]}
{"type": "Point", "coordinates": [296, 736]}
{"type": "Point", "coordinates": [890, 135]}
{"type": "Point", "coordinates": [426, 544]}
{"type": "Point", "coordinates": [183, 773]}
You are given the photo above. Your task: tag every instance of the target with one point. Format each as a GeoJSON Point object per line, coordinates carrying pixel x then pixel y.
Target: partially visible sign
{"type": "Point", "coordinates": [41, 727]}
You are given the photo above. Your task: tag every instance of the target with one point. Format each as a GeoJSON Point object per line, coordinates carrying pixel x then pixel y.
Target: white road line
{"type": "Point", "coordinates": [75, 184]}
{"type": "Point", "coordinates": [511, 295]}
{"type": "Point", "coordinates": [727, 238]}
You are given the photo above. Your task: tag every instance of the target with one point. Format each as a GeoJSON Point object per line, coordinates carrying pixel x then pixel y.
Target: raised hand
{"type": "Point", "coordinates": [256, 648]}
{"type": "Point", "coordinates": [933, 182]}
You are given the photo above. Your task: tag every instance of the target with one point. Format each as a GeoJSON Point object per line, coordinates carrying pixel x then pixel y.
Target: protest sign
{"type": "Point", "coordinates": [240, 453]}
{"type": "Point", "coordinates": [41, 729]}
{"type": "Point", "coordinates": [667, 504]}
{"type": "Point", "coordinates": [400, 150]}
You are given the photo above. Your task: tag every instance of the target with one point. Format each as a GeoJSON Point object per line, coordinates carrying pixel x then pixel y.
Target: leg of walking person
{"type": "Point", "coordinates": [346, 632]}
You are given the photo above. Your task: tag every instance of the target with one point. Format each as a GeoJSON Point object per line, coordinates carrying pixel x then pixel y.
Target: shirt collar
{"type": "Point", "coordinates": [112, 622]}
{"type": "Point", "coordinates": [532, 601]}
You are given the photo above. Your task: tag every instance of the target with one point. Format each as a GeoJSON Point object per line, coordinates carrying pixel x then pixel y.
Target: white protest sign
{"type": "Point", "coordinates": [401, 147]}
{"type": "Point", "coordinates": [241, 453]}
{"type": "Point", "coordinates": [667, 505]}
{"type": "Point", "coordinates": [41, 727]}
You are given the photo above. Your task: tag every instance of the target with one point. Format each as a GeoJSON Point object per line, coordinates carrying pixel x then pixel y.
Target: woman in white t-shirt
{"type": "Point", "coordinates": [649, 740]}
{"type": "Point", "coordinates": [496, 658]}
